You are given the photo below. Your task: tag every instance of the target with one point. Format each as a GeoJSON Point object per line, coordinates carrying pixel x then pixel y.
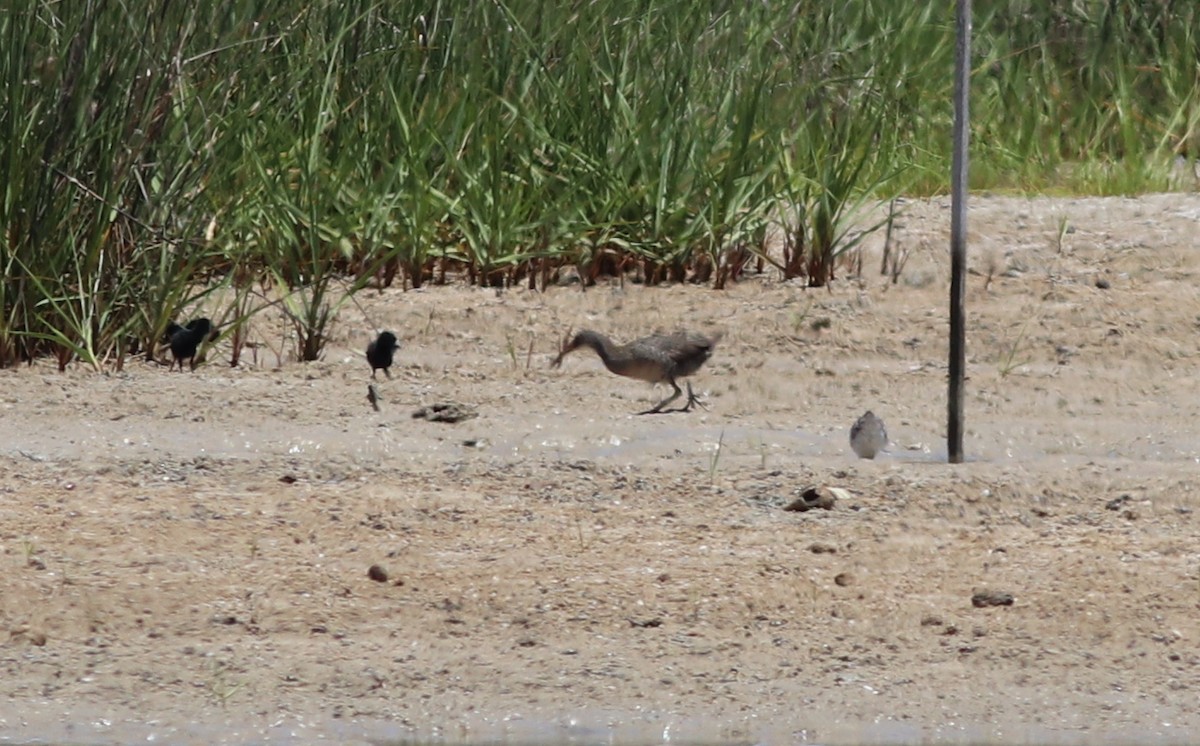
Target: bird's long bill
{"type": "Point", "coordinates": [563, 349]}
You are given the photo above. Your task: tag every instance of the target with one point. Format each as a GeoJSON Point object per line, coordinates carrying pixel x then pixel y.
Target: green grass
{"type": "Point", "coordinates": [152, 153]}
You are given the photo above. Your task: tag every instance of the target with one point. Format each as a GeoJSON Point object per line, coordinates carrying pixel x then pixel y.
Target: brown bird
{"type": "Point", "coordinates": [659, 358]}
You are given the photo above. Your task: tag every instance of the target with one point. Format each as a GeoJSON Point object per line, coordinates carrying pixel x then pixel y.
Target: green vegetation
{"type": "Point", "coordinates": [152, 152]}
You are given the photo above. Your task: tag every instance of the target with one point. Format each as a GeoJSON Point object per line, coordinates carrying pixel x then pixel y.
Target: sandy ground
{"type": "Point", "coordinates": [185, 555]}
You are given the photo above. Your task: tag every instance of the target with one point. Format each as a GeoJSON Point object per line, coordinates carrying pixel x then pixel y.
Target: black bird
{"type": "Point", "coordinates": [185, 340]}
{"type": "Point", "coordinates": [659, 358]}
{"type": "Point", "coordinates": [381, 352]}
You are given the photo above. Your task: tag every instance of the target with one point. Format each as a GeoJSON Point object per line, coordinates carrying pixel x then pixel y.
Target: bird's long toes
{"type": "Point", "coordinates": [693, 399]}
{"type": "Point", "coordinates": [656, 409]}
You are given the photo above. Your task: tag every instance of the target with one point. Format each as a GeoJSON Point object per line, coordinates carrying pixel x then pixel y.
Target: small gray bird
{"type": "Point", "coordinates": [868, 436]}
{"type": "Point", "coordinates": [382, 352]}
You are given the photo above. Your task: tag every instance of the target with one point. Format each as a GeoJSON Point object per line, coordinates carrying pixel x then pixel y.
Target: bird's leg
{"type": "Point", "coordinates": [692, 399]}
{"type": "Point", "coordinates": [387, 373]}
{"type": "Point", "coordinates": [657, 408]}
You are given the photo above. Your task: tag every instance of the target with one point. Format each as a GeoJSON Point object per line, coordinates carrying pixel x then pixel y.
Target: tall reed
{"type": "Point", "coordinates": [153, 151]}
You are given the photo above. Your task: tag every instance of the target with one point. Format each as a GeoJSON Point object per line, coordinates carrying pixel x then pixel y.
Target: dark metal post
{"type": "Point", "coordinates": [958, 233]}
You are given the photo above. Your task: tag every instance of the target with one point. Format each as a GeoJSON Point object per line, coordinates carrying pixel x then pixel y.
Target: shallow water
{"type": "Point", "coordinates": [631, 441]}
{"type": "Point", "coordinates": [590, 728]}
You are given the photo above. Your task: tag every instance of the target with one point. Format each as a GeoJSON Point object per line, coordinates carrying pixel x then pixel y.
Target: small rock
{"type": "Point", "coordinates": [377, 573]}
{"type": "Point", "coordinates": [1102, 283]}
{"type": "Point", "coordinates": [36, 563]}
{"type": "Point", "coordinates": [568, 276]}
{"type": "Point", "coordinates": [33, 637]}
{"type": "Point", "coordinates": [645, 623]}
{"type": "Point", "coordinates": [843, 579]}
{"type": "Point", "coordinates": [811, 498]}
{"type": "Point", "coordinates": [445, 412]}
{"type": "Point", "coordinates": [1117, 502]}
{"type": "Point", "coordinates": [1065, 353]}
{"type": "Point", "coordinates": [819, 548]}
{"type": "Point", "coordinates": [991, 598]}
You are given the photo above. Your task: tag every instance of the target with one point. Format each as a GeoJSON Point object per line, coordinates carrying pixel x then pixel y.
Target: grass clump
{"type": "Point", "coordinates": [154, 152]}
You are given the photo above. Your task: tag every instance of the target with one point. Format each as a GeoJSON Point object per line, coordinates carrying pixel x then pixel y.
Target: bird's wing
{"type": "Point", "coordinates": [685, 346]}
